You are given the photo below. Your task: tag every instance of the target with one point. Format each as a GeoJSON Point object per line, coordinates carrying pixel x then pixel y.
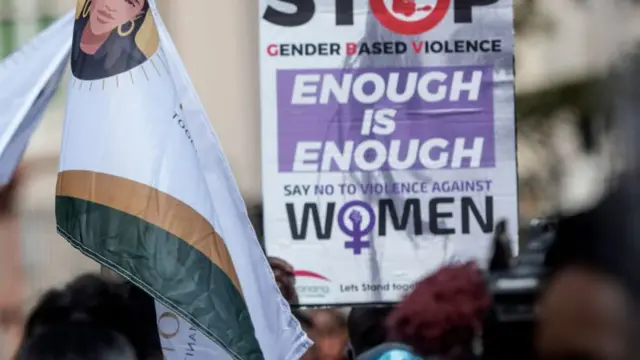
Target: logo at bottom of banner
{"type": "Point", "coordinates": [312, 285]}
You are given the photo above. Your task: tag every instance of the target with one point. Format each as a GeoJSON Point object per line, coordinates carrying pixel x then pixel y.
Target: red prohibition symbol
{"type": "Point", "coordinates": [388, 19]}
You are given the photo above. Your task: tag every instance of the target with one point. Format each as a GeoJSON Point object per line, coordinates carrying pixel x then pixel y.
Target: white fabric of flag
{"type": "Point", "coordinates": [145, 189]}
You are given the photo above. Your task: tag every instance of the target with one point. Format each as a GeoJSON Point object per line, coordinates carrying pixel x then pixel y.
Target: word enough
{"type": "Point", "coordinates": [398, 87]}
{"type": "Point", "coordinates": [371, 155]}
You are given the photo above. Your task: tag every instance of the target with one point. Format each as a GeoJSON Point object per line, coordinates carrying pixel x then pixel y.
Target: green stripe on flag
{"type": "Point", "coordinates": [169, 269]}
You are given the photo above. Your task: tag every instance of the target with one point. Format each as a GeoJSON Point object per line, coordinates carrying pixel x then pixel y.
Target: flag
{"type": "Point", "coordinates": [144, 187]}
{"type": "Point", "coordinates": [30, 77]}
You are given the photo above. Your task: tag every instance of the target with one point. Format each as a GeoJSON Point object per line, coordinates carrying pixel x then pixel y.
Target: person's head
{"type": "Point", "coordinates": [366, 326]}
{"type": "Point", "coordinates": [444, 314]}
{"type": "Point", "coordinates": [330, 334]}
{"type": "Point", "coordinates": [88, 297]}
{"type": "Point", "coordinates": [586, 309]}
{"type": "Point", "coordinates": [76, 340]}
{"type": "Point", "coordinates": [285, 278]}
{"type": "Point", "coordinates": [104, 304]}
{"type": "Point", "coordinates": [108, 15]}
{"type": "Point", "coordinates": [583, 314]}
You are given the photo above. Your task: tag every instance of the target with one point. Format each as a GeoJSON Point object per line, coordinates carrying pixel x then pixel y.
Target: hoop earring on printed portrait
{"type": "Point", "coordinates": [86, 9]}
{"type": "Point", "coordinates": [124, 33]}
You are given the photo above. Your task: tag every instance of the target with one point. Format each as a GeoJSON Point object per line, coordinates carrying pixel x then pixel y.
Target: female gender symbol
{"type": "Point", "coordinates": [356, 232]}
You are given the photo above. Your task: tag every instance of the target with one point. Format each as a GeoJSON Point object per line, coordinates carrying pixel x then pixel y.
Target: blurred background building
{"type": "Point", "coordinates": [562, 42]}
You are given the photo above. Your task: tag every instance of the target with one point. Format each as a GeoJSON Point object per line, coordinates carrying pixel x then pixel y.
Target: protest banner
{"type": "Point", "coordinates": [388, 139]}
{"type": "Point", "coordinates": [145, 190]}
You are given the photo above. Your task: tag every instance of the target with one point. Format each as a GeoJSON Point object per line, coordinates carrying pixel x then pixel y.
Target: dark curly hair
{"type": "Point", "coordinates": [77, 340]}
{"type": "Point", "coordinates": [94, 301]}
{"type": "Point", "coordinates": [443, 314]}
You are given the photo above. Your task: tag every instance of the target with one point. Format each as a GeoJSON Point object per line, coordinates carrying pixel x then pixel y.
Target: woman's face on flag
{"type": "Point", "coordinates": [107, 15]}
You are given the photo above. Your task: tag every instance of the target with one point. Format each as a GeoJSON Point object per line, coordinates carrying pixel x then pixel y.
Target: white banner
{"type": "Point", "coordinates": [388, 139]}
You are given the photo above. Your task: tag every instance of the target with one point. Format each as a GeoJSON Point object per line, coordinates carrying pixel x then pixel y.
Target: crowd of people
{"type": "Point", "coordinates": [585, 310]}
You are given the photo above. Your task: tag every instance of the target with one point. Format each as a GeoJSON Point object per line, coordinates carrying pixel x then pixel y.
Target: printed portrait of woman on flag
{"type": "Point", "coordinates": [111, 37]}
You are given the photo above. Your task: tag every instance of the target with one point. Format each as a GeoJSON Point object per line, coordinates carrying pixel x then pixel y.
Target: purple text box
{"type": "Point", "coordinates": [416, 119]}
